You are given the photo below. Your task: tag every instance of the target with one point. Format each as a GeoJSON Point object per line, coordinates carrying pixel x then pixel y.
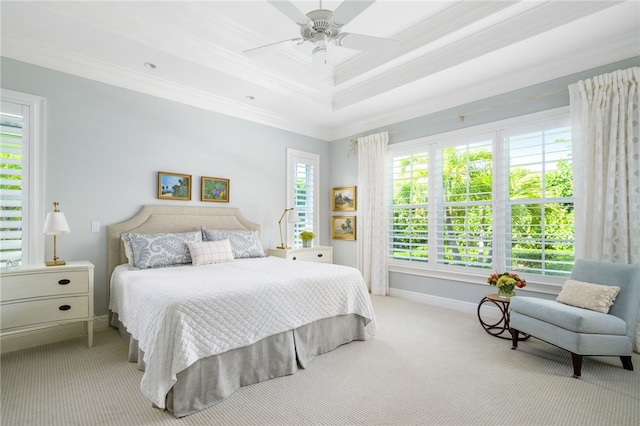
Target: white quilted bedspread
{"type": "Point", "coordinates": [182, 314]}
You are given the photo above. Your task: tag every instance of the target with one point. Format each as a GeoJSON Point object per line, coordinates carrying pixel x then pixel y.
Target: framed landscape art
{"type": "Point", "coordinates": [343, 198]}
{"type": "Point", "coordinates": [214, 189]}
{"type": "Point", "coordinates": [343, 227]}
{"type": "Point", "coordinates": [174, 186]}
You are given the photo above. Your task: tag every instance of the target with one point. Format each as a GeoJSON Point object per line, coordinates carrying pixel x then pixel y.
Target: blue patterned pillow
{"type": "Point", "coordinates": [157, 250]}
{"type": "Point", "coordinates": [244, 243]}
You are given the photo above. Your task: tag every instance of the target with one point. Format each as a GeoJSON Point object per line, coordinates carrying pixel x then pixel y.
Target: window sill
{"type": "Point", "coordinates": [535, 284]}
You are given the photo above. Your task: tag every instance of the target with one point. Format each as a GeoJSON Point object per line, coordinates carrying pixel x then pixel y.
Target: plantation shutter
{"type": "Point", "coordinates": [539, 199]}
{"type": "Point", "coordinates": [465, 203]}
{"type": "Point", "coordinates": [13, 187]}
{"type": "Point", "coordinates": [409, 215]}
{"type": "Point", "coordinates": [303, 190]}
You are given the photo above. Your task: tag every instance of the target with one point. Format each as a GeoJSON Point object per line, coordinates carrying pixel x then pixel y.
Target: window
{"type": "Point", "coordinates": [21, 160]}
{"type": "Point", "coordinates": [465, 207]}
{"type": "Point", "coordinates": [540, 201]}
{"type": "Point", "coordinates": [409, 210]}
{"type": "Point", "coordinates": [497, 199]}
{"type": "Point", "coordinates": [302, 193]}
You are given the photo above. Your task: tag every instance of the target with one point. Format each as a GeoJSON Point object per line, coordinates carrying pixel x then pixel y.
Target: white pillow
{"type": "Point", "coordinates": [207, 252]}
{"type": "Point", "coordinates": [595, 297]}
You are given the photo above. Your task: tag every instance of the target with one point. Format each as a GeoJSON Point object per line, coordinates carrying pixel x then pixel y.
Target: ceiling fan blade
{"type": "Point", "coordinates": [272, 46]}
{"type": "Point", "coordinates": [292, 12]}
{"type": "Point", "coordinates": [365, 42]}
{"type": "Point", "coordinates": [348, 10]}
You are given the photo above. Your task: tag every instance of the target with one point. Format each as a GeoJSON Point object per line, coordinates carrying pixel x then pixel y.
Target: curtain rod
{"type": "Point", "coordinates": [461, 117]}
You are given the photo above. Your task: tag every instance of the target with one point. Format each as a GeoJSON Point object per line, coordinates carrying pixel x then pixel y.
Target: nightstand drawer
{"type": "Point", "coordinates": [322, 256]}
{"type": "Point", "coordinates": [46, 310]}
{"type": "Point", "coordinates": [319, 254]}
{"type": "Point", "coordinates": [48, 283]}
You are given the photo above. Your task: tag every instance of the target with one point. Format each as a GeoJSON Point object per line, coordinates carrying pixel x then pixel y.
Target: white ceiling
{"type": "Point", "coordinates": [447, 53]}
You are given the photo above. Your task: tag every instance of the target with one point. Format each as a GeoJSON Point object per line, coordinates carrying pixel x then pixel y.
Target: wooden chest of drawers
{"type": "Point", "coordinates": [35, 297]}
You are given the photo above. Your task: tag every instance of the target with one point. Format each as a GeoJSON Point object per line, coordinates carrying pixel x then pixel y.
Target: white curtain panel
{"type": "Point", "coordinates": [372, 209]}
{"type": "Point", "coordinates": [606, 168]}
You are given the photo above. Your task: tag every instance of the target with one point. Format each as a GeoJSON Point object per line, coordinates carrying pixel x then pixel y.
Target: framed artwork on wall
{"type": "Point", "coordinates": [343, 227]}
{"type": "Point", "coordinates": [343, 198]}
{"type": "Point", "coordinates": [174, 186]}
{"type": "Point", "coordinates": [214, 189]}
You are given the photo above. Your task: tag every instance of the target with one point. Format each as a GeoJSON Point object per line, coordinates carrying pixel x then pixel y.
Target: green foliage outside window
{"type": "Point", "coordinates": [539, 208]}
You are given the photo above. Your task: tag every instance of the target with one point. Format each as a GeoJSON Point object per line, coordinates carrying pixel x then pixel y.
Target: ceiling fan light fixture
{"type": "Point", "coordinates": [322, 26]}
{"type": "Point", "coordinates": [320, 65]}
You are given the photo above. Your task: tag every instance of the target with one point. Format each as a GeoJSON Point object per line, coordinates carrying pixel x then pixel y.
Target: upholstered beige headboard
{"type": "Point", "coordinates": [162, 218]}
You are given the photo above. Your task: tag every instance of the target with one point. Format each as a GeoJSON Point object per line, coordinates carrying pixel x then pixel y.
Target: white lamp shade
{"type": "Point", "coordinates": [294, 216]}
{"type": "Point", "coordinates": [55, 224]}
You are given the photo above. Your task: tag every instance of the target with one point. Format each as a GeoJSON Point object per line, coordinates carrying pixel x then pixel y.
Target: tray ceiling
{"type": "Point", "coordinates": [446, 53]}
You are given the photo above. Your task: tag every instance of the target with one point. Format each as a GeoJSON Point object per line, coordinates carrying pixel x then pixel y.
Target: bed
{"type": "Point", "coordinates": [201, 329]}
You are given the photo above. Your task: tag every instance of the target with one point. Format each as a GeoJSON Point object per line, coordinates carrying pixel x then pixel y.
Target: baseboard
{"type": "Point", "coordinates": [48, 335]}
{"type": "Point", "coordinates": [443, 302]}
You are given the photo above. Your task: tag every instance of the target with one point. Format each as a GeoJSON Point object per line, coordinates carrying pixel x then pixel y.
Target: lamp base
{"type": "Point", "coordinates": [283, 247]}
{"type": "Point", "coordinates": [56, 263]}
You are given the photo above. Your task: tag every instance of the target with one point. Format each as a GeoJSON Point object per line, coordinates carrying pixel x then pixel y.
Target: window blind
{"type": "Point", "coordinates": [12, 185]}
{"type": "Point", "coordinates": [499, 198]}
{"type": "Point", "coordinates": [302, 193]}
{"type": "Point", "coordinates": [409, 215]}
{"type": "Point", "coordinates": [465, 209]}
{"type": "Point", "coordinates": [304, 200]}
{"type": "Point", "coordinates": [540, 201]}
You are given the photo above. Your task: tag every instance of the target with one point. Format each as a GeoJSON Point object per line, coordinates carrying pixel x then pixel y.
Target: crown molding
{"type": "Point", "coordinates": [67, 62]}
{"type": "Point", "coordinates": [531, 22]}
{"type": "Point", "coordinates": [132, 24]}
{"type": "Point", "coordinates": [430, 30]}
{"type": "Point", "coordinates": [312, 112]}
{"type": "Point", "coordinates": [607, 52]}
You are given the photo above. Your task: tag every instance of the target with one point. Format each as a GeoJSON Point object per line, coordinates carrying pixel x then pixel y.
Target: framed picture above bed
{"type": "Point", "coordinates": [343, 227]}
{"type": "Point", "coordinates": [343, 198]}
{"type": "Point", "coordinates": [174, 186]}
{"type": "Point", "coordinates": [214, 189]}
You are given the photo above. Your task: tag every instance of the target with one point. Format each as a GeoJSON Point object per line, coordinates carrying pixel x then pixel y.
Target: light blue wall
{"type": "Point", "coordinates": [105, 145]}
{"type": "Point", "coordinates": [540, 97]}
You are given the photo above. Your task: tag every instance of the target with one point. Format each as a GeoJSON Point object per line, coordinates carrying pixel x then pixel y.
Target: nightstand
{"type": "Point", "coordinates": [36, 297]}
{"type": "Point", "coordinates": [322, 254]}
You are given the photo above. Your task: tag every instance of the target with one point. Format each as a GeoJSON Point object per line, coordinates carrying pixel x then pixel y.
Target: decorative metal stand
{"type": "Point", "coordinates": [502, 324]}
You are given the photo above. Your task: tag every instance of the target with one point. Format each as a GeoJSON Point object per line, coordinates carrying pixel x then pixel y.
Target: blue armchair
{"type": "Point", "coordinates": [583, 331]}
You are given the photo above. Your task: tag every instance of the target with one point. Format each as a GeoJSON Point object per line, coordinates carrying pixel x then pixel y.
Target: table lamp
{"type": "Point", "coordinates": [55, 224]}
{"type": "Point", "coordinates": [293, 218]}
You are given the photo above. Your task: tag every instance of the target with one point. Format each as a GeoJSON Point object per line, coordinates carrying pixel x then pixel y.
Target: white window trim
{"type": "Point", "coordinates": [34, 240]}
{"type": "Point", "coordinates": [539, 283]}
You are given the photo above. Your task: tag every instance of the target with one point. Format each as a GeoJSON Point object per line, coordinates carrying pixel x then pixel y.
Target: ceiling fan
{"type": "Point", "coordinates": [323, 28]}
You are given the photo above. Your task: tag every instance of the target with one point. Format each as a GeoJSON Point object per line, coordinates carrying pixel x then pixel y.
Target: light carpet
{"type": "Point", "coordinates": [427, 365]}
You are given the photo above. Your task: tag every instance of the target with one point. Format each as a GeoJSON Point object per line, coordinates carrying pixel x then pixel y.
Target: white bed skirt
{"type": "Point", "coordinates": [212, 379]}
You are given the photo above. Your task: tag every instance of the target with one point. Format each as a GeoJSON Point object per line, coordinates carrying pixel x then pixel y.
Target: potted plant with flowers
{"type": "Point", "coordinates": [506, 283]}
{"type": "Point", "coordinates": [307, 237]}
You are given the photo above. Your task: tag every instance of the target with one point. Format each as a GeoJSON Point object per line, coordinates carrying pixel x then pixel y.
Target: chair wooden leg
{"type": "Point", "coordinates": [577, 365]}
{"type": "Point", "coordinates": [514, 338]}
{"type": "Point", "coordinates": [626, 363]}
